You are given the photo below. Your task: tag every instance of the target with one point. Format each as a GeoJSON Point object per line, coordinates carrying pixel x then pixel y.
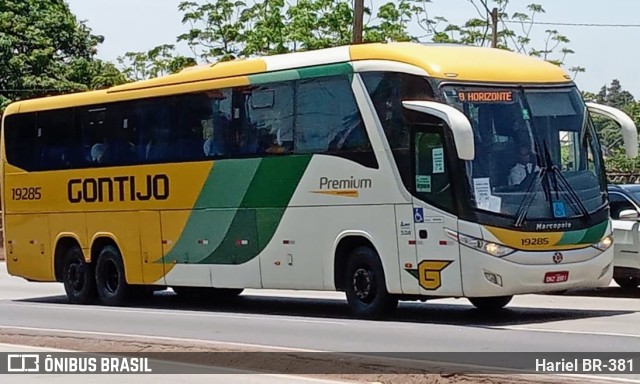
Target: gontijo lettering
{"type": "Point", "coordinates": [119, 188]}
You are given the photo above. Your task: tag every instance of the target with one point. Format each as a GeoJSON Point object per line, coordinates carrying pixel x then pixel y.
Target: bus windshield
{"type": "Point", "coordinates": [536, 152]}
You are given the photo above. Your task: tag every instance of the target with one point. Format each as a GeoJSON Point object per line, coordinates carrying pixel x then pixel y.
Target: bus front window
{"type": "Point", "coordinates": [537, 155]}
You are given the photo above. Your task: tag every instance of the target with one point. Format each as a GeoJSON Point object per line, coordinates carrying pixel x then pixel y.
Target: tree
{"type": "Point", "coordinates": [45, 50]}
{"type": "Point", "coordinates": [477, 31]}
{"type": "Point", "coordinates": [159, 61]}
{"type": "Point", "coordinates": [223, 29]}
{"type": "Point", "coordinates": [609, 132]}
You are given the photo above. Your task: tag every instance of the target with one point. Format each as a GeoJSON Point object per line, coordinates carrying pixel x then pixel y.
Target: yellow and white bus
{"type": "Point", "coordinates": [391, 172]}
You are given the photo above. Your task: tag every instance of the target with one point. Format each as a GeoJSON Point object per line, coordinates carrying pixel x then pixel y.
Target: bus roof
{"type": "Point", "coordinates": [444, 61]}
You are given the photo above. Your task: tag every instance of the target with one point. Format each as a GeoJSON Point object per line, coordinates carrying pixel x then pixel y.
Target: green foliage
{"type": "Point", "coordinates": [45, 50]}
{"type": "Point", "coordinates": [215, 28]}
{"type": "Point", "coordinates": [478, 31]}
{"type": "Point", "coordinates": [616, 161]}
{"type": "Point", "coordinates": [223, 30]}
{"type": "Point", "coordinates": [158, 61]}
{"type": "Point", "coordinates": [220, 30]}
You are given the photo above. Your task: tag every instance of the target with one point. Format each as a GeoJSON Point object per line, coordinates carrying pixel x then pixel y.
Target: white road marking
{"type": "Point", "coordinates": [282, 318]}
{"type": "Point", "coordinates": [591, 333]}
{"type": "Point", "coordinates": [186, 313]}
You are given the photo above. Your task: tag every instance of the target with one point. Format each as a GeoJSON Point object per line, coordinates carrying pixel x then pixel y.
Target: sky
{"type": "Point", "coordinates": [607, 53]}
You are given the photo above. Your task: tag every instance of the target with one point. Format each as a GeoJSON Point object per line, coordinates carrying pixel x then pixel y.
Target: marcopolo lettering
{"type": "Point", "coordinates": [561, 225]}
{"type": "Point", "coordinates": [350, 183]}
{"type": "Point", "coordinates": [119, 188]}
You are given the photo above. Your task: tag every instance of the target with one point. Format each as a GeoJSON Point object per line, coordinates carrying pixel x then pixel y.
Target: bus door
{"type": "Point", "coordinates": [153, 267]}
{"type": "Point", "coordinates": [438, 256]}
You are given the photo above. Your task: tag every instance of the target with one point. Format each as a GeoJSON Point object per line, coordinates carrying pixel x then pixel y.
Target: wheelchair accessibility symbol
{"type": "Point", "coordinates": [559, 209]}
{"type": "Point", "coordinates": [418, 215]}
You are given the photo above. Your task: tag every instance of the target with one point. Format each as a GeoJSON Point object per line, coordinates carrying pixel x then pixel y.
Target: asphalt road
{"type": "Point", "coordinates": [607, 320]}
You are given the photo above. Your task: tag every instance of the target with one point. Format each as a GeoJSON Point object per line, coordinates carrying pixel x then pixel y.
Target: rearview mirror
{"type": "Point", "coordinates": [456, 120]}
{"type": "Point", "coordinates": [629, 130]}
{"type": "Point", "coordinates": [629, 214]}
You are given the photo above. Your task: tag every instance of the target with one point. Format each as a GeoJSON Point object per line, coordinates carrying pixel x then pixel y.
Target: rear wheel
{"type": "Point", "coordinates": [110, 277]}
{"type": "Point", "coordinates": [490, 303]}
{"type": "Point", "coordinates": [78, 277]}
{"type": "Point", "coordinates": [627, 282]}
{"type": "Point", "coordinates": [366, 287]}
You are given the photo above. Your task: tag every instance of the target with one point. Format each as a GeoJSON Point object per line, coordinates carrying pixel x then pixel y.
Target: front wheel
{"type": "Point", "coordinates": [77, 277]}
{"type": "Point", "coordinates": [110, 278]}
{"type": "Point", "coordinates": [490, 303]}
{"type": "Point", "coordinates": [366, 287]}
{"type": "Point", "coordinates": [627, 282]}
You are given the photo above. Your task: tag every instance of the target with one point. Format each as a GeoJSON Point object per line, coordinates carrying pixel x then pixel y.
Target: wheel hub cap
{"type": "Point", "coordinates": [362, 283]}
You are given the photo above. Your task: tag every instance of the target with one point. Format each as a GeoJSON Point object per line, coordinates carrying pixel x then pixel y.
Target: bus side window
{"type": "Point", "coordinates": [432, 182]}
{"type": "Point", "coordinates": [387, 90]}
{"type": "Point", "coordinates": [154, 134]}
{"type": "Point", "coordinates": [327, 117]}
{"type": "Point", "coordinates": [57, 140]}
{"type": "Point", "coordinates": [20, 135]}
{"type": "Point", "coordinates": [269, 119]}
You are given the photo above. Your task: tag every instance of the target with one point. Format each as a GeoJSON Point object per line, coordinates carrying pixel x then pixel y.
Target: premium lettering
{"type": "Point", "coordinates": [351, 183]}
{"type": "Point", "coordinates": [119, 188]}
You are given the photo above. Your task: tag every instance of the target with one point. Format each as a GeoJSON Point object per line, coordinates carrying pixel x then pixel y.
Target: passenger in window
{"type": "Point", "coordinates": [156, 139]}
{"type": "Point", "coordinates": [279, 143]}
{"type": "Point", "coordinates": [214, 129]}
{"type": "Point", "coordinates": [247, 140]}
{"type": "Point", "coordinates": [97, 153]}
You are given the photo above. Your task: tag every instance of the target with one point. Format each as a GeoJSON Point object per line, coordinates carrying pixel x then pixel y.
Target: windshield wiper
{"type": "Point", "coordinates": [521, 214]}
{"type": "Point", "coordinates": [574, 198]}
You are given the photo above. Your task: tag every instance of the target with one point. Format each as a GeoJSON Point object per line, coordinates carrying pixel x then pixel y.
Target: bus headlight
{"type": "Point", "coordinates": [487, 247]}
{"type": "Point", "coordinates": [604, 244]}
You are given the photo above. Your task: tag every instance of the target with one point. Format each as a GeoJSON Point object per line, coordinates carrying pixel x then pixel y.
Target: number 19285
{"type": "Point", "coordinates": [26, 193]}
{"type": "Point", "coordinates": [535, 241]}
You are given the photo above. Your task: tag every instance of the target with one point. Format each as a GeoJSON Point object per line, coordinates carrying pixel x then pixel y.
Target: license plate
{"type": "Point", "coordinates": [556, 277]}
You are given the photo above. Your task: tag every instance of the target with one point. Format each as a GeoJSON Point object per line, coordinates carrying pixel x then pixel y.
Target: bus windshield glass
{"type": "Point", "coordinates": [536, 152]}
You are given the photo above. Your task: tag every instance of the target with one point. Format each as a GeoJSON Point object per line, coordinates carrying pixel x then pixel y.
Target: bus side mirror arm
{"type": "Point", "coordinates": [456, 120]}
{"type": "Point", "coordinates": [629, 130]}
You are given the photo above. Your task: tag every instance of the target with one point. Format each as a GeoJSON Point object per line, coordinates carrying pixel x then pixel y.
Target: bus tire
{"type": "Point", "coordinates": [365, 285]}
{"type": "Point", "coordinates": [627, 282]}
{"type": "Point", "coordinates": [78, 277]}
{"type": "Point", "coordinates": [490, 303]}
{"type": "Point", "coordinates": [111, 283]}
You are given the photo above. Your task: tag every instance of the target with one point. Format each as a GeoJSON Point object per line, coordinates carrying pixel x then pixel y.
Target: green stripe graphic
{"type": "Point", "coordinates": [239, 210]}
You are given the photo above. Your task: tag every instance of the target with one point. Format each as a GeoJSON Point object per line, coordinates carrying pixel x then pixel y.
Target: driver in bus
{"type": "Point", "coordinates": [523, 167]}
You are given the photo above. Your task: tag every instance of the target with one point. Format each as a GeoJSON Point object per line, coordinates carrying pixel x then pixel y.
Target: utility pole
{"type": "Point", "coordinates": [494, 28]}
{"type": "Point", "coordinates": [358, 17]}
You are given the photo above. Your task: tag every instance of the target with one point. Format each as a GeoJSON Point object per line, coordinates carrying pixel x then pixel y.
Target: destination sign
{"type": "Point", "coordinates": [485, 96]}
